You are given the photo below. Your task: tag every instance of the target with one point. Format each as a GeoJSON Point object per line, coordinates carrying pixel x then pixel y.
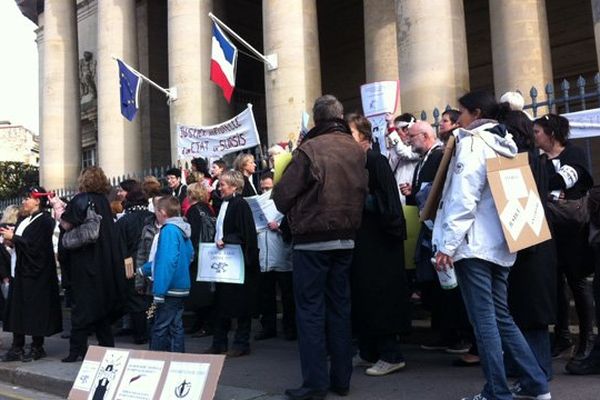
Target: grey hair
{"type": "Point", "coordinates": [233, 178]}
{"type": "Point", "coordinates": [327, 107]}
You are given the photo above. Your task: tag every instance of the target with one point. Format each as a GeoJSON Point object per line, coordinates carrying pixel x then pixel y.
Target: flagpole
{"type": "Point", "coordinates": [171, 92]}
{"type": "Point", "coordinates": [270, 60]}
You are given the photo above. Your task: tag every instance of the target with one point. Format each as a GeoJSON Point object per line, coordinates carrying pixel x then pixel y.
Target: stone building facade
{"type": "Point", "coordinates": [438, 49]}
{"type": "Point", "coordinates": [19, 144]}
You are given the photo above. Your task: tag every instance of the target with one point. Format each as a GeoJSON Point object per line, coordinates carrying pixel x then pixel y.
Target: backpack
{"type": "Point", "coordinates": [207, 227]}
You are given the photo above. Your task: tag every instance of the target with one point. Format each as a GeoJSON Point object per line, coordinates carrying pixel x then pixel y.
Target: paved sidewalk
{"type": "Point", "coordinates": [273, 366]}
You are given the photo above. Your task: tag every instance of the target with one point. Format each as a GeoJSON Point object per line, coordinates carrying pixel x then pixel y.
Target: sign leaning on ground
{"type": "Point", "coordinates": [123, 374]}
{"type": "Point", "coordinates": [215, 141]}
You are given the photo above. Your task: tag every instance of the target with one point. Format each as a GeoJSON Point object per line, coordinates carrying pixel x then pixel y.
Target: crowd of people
{"type": "Point", "coordinates": [336, 252]}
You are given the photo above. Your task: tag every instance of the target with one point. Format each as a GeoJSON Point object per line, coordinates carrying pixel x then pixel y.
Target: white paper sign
{"type": "Point", "coordinates": [86, 375]}
{"type": "Point", "coordinates": [379, 97]}
{"type": "Point", "coordinates": [513, 218]}
{"type": "Point", "coordinates": [215, 141]}
{"type": "Point", "coordinates": [534, 212]}
{"type": "Point", "coordinates": [379, 130]}
{"type": "Point", "coordinates": [140, 379]}
{"type": "Point", "coordinates": [263, 210]}
{"type": "Point", "coordinates": [513, 183]}
{"type": "Point", "coordinates": [109, 374]}
{"type": "Point", "coordinates": [584, 124]}
{"type": "Point", "coordinates": [185, 381]}
{"type": "Point", "coordinates": [220, 265]}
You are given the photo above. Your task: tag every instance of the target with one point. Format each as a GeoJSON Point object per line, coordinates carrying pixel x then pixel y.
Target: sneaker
{"type": "Point", "coordinates": [458, 348]}
{"type": "Point", "coordinates": [383, 368]}
{"type": "Point", "coordinates": [359, 362]}
{"type": "Point", "coordinates": [476, 397]}
{"type": "Point", "coordinates": [437, 345]}
{"type": "Point", "coordinates": [519, 393]}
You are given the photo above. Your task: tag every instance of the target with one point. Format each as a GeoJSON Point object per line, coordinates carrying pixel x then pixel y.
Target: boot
{"type": "Point", "coordinates": [585, 346]}
{"type": "Point", "coordinates": [562, 342]}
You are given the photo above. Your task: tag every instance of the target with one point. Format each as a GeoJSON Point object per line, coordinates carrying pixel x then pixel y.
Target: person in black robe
{"type": "Point", "coordinates": [245, 164]}
{"type": "Point", "coordinates": [129, 228]}
{"type": "Point", "coordinates": [97, 270]}
{"type": "Point", "coordinates": [380, 296]}
{"type": "Point", "coordinates": [33, 304]}
{"type": "Point", "coordinates": [235, 225]}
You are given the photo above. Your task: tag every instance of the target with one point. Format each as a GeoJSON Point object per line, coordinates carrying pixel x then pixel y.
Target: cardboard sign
{"type": "Point", "coordinates": [220, 265]}
{"type": "Point", "coordinates": [124, 374]}
{"type": "Point", "coordinates": [517, 201]}
{"type": "Point", "coordinates": [437, 186]}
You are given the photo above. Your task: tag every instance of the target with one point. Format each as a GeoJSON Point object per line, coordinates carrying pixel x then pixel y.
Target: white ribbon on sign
{"type": "Point", "coordinates": [215, 141]}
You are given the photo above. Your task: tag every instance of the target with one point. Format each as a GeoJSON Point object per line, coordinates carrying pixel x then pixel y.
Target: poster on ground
{"type": "Point", "coordinates": [125, 374]}
{"type": "Point", "coordinates": [215, 141]}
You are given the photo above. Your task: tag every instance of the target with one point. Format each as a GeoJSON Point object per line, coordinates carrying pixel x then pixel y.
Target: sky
{"type": "Point", "coordinates": [19, 72]}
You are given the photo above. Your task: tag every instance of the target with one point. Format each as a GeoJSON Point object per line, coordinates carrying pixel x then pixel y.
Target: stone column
{"type": "Point", "coordinates": [60, 147]}
{"type": "Point", "coordinates": [119, 140]}
{"type": "Point", "coordinates": [596, 16]}
{"type": "Point", "coordinates": [432, 54]}
{"type": "Point", "coordinates": [520, 45]}
{"type": "Point", "coordinates": [290, 30]}
{"type": "Point", "coordinates": [190, 41]}
{"type": "Point", "coordinates": [381, 49]}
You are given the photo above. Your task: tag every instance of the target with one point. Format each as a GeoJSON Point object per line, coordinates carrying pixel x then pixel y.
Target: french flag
{"type": "Point", "coordinates": [223, 62]}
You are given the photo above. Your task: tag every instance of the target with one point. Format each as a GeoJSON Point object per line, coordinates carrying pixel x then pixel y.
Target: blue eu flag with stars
{"type": "Point", "coordinates": [130, 86]}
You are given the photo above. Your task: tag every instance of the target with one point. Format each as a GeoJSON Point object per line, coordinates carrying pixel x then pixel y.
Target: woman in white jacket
{"type": "Point", "coordinates": [468, 237]}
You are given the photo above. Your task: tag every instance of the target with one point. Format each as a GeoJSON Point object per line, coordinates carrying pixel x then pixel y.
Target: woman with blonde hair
{"type": "Point", "coordinates": [245, 164]}
{"type": "Point", "coordinates": [97, 276]}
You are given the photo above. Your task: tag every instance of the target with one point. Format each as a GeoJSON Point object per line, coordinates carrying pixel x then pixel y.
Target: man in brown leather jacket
{"type": "Point", "coordinates": [322, 193]}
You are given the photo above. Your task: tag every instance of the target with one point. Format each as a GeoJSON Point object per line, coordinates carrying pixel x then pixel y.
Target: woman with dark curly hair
{"type": "Point", "coordinates": [97, 273]}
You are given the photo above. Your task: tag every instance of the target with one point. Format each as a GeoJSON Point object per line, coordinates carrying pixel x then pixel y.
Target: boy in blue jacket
{"type": "Point", "coordinates": [168, 265]}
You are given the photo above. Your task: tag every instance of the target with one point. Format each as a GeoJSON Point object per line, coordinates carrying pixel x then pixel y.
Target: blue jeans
{"type": "Point", "coordinates": [539, 342]}
{"type": "Point", "coordinates": [167, 328]}
{"type": "Point", "coordinates": [484, 289]}
{"type": "Point", "coordinates": [322, 294]}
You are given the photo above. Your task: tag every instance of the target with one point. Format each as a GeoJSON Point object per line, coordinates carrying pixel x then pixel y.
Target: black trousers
{"type": "Point", "coordinates": [380, 347]}
{"type": "Point", "coordinates": [79, 336]}
{"type": "Point", "coordinates": [268, 300]}
{"type": "Point", "coordinates": [241, 340]}
{"type": "Point", "coordinates": [584, 306]}
{"type": "Point", "coordinates": [19, 341]}
{"type": "Point", "coordinates": [322, 294]}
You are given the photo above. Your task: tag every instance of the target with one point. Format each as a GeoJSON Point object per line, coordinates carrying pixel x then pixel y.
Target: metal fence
{"type": "Point", "coordinates": [565, 102]}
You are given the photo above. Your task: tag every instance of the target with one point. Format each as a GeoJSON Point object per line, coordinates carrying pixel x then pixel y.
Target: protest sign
{"type": "Point", "coordinates": [379, 97]}
{"type": "Point", "coordinates": [435, 194]}
{"type": "Point", "coordinates": [220, 265]}
{"type": "Point", "coordinates": [263, 210]}
{"type": "Point", "coordinates": [584, 124]}
{"type": "Point", "coordinates": [215, 141]}
{"type": "Point", "coordinates": [517, 201]}
{"type": "Point", "coordinates": [379, 130]}
{"type": "Point", "coordinates": [124, 374]}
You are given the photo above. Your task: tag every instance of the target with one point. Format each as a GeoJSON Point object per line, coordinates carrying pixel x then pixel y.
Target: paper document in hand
{"type": "Point", "coordinates": [220, 265]}
{"type": "Point", "coordinates": [263, 210]}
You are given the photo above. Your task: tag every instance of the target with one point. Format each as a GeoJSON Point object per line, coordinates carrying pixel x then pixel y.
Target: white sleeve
{"type": "Point", "coordinates": [402, 150]}
{"type": "Point", "coordinates": [462, 196]}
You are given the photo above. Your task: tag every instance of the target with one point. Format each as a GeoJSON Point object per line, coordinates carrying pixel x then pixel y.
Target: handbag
{"type": "Point", "coordinates": [84, 234]}
{"type": "Point", "coordinates": [568, 214]}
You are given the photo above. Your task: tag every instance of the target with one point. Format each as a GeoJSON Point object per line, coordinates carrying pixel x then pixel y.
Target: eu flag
{"type": "Point", "coordinates": [130, 87]}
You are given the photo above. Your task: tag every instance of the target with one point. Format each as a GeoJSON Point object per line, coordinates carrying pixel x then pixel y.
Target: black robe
{"type": "Point", "coordinates": [235, 300]}
{"type": "Point", "coordinates": [200, 292]}
{"type": "Point", "coordinates": [532, 278]}
{"type": "Point", "coordinates": [33, 305]}
{"type": "Point", "coordinates": [380, 297]}
{"type": "Point", "coordinates": [97, 275]}
{"type": "Point", "coordinates": [129, 227]}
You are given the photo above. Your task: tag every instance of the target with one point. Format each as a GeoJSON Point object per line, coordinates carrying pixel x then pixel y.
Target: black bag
{"type": "Point", "coordinates": [207, 227]}
{"type": "Point", "coordinates": [568, 214]}
{"type": "Point", "coordinates": [84, 234]}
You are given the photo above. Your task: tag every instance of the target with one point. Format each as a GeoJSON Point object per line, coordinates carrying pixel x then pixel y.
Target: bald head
{"type": "Point", "coordinates": [421, 137]}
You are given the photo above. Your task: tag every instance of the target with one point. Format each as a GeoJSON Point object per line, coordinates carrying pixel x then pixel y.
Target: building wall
{"type": "Point", "coordinates": [19, 144]}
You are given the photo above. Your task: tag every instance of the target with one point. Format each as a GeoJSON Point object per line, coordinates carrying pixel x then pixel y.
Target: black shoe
{"type": "Point", "coordinates": [587, 366]}
{"type": "Point", "coordinates": [34, 353]}
{"type": "Point", "coordinates": [65, 335]}
{"type": "Point", "coordinates": [140, 340]}
{"type": "Point", "coordinates": [340, 391]}
{"type": "Point", "coordinates": [265, 334]}
{"type": "Point", "coordinates": [560, 346]}
{"type": "Point", "coordinates": [214, 350]}
{"type": "Point", "coordinates": [71, 358]}
{"type": "Point", "coordinates": [13, 354]}
{"type": "Point", "coordinates": [234, 353]}
{"type": "Point", "coordinates": [303, 393]}
{"type": "Point", "coordinates": [584, 347]}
